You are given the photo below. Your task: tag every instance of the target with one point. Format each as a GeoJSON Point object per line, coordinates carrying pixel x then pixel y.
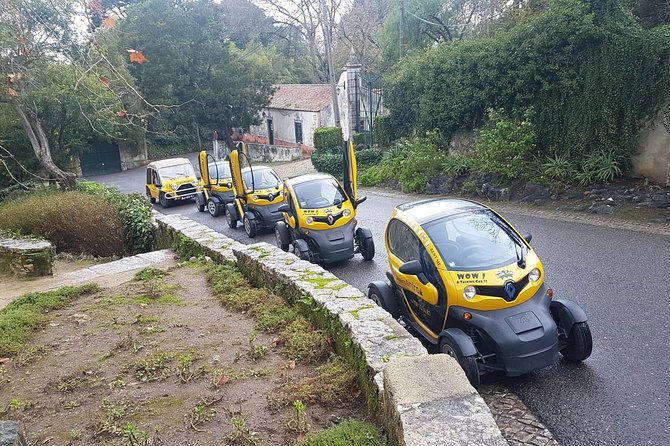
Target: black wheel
{"type": "Point", "coordinates": [301, 249]}
{"type": "Point", "coordinates": [368, 249]}
{"type": "Point", "coordinates": [213, 207]}
{"type": "Point", "coordinates": [249, 226]}
{"type": "Point", "coordinates": [382, 295]}
{"type": "Point", "coordinates": [467, 363]}
{"type": "Point", "coordinates": [579, 343]}
{"type": "Point", "coordinates": [199, 205]}
{"type": "Point", "coordinates": [230, 218]}
{"type": "Point", "coordinates": [151, 199]}
{"type": "Point", "coordinates": [280, 239]}
{"type": "Point", "coordinates": [163, 200]}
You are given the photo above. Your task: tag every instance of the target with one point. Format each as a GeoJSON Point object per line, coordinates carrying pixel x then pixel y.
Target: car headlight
{"type": "Point", "coordinates": [255, 198]}
{"type": "Point", "coordinates": [309, 220]}
{"type": "Point", "coordinates": [346, 212]}
{"type": "Point", "coordinates": [534, 275]}
{"type": "Point", "coordinates": [173, 186]}
{"type": "Point", "coordinates": [469, 292]}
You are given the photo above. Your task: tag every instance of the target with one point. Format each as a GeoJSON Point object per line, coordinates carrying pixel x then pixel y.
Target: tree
{"type": "Point", "coordinates": [205, 79]}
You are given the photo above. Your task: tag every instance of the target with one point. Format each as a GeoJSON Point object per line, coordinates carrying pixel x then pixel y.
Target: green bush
{"type": "Point", "coordinates": [599, 167]}
{"type": "Point", "coordinates": [504, 148]}
{"type": "Point", "coordinates": [455, 165]}
{"type": "Point", "coordinates": [135, 213]}
{"type": "Point", "coordinates": [358, 139]}
{"type": "Point", "coordinates": [328, 162]}
{"type": "Point", "coordinates": [560, 168]}
{"type": "Point", "coordinates": [328, 139]}
{"type": "Point", "coordinates": [73, 221]}
{"type": "Point", "coordinates": [350, 433]}
{"type": "Point", "coordinates": [155, 152]}
{"type": "Point", "coordinates": [368, 157]}
{"type": "Point", "coordinates": [383, 131]}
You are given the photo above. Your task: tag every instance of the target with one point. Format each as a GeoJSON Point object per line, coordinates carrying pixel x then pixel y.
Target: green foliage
{"type": "Point", "coordinates": [368, 157]}
{"type": "Point", "coordinates": [600, 167]}
{"type": "Point", "coordinates": [455, 165]}
{"type": "Point", "coordinates": [22, 317]}
{"type": "Point", "coordinates": [504, 147]}
{"type": "Point", "coordinates": [383, 131]}
{"type": "Point", "coordinates": [328, 140]}
{"type": "Point", "coordinates": [328, 162]}
{"type": "Point", "coordinates": [353, 433]}
{"type": "Point", "coordinates": [560, 168]}
{"type": "Point", "coordinates": [155, 151]}
{"type": "Point", "coordinates": [592, 75]}
{"type": "Point", "coordinates": [73, 221]}
{"type": "Point", "coordinates": [135, 213]}
{"type": "Point", "coordinates": [358, 138]}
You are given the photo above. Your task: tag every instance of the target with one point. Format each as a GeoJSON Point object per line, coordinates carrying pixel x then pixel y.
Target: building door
{"type": "Point", "coordinates": [298, 132]}
{"type": "Point", "coordinates": [102, 158]}
{"type": "Point", "coordinates": [271, 132]}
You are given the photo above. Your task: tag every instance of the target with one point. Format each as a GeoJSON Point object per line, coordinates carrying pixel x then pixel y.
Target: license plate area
{"type": "Point", "coordinates": [522, 322]}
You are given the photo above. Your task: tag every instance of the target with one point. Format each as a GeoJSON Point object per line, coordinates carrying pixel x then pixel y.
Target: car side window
{"type": "Point", "coordinates": [402, 241]}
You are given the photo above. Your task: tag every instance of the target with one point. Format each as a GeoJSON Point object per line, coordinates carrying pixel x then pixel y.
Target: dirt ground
{"type": "Point", "coordinates": [158, 362]}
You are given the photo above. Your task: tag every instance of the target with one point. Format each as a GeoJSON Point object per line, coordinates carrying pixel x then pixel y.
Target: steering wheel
{"type": "Point", "coordinates": [468, 251]}
{"type": "Point", "coordinates": [317, 202]}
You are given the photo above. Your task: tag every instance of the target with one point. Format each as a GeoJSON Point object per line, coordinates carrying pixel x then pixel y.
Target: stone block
{"type": "Point", "coordinates": [428, 401]}
{"type": "Point", "coordinates": [12, 434]}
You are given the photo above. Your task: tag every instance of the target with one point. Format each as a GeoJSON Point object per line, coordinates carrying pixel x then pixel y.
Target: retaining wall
{"type": "Point", "coordinates": [419, 399]}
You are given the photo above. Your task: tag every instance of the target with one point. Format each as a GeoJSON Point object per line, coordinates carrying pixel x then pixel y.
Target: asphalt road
{"type": "Point", "coordinates": [621, 394]}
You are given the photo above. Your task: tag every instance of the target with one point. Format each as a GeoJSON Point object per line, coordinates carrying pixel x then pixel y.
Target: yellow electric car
{"type": "Point", "coordinates": [466, 281]}
{"type": "Point", "coordinates": [170, 181]}
{"type": "Point", "coordinates": [215, 189]}
{"type": "Point", "coordinates": [320, 217]}
{"type": "Point", "coordinates": [258, 196]}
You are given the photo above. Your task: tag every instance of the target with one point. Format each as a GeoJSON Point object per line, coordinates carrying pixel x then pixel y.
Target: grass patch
{"type": "Point", "coordinates": [22, 317]}
{"type": "Point", "coordinates": [148, 274]}
{"type": "Point", "coordinates": [350, 433]}
{"type": "Point", "coordinates": [154, 367]}
{"type": "Point", "coordinates": [304, 342]}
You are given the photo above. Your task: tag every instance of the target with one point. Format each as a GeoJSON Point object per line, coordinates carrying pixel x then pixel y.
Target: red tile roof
{"type": "Point", "coordinates": [309, 97]}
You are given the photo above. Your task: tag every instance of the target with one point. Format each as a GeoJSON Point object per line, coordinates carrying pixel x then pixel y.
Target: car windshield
{"type": "Point", "coordinates": [178, 171]}
{"type": "Point", "coordinates": [478, 240]}
{"type": "Point", "coordinates": [222, 168]}
{"type": "Point", "coordinates": [264, 178]}
{"type": "Point", "coordinates": [318, 194]}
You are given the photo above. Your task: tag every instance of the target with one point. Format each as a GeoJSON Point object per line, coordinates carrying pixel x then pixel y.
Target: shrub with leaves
{"type": "Point", "coordinates": [504, 147]}
{"type": "Point", "coordinates": [328, 140]}
{"type": "Point", "coordinates": [559, 167]}
{"type": "Point", "coordinates": [135, 213]}
{"type": "Point", "coordinates": [599, 167]}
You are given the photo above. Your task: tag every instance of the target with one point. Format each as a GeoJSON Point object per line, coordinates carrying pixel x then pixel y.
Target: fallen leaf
{"type": "Point", "coordinates": [121, 113]}
{"type": "Point", "coordinates": [301, 436]}
{"type": "Point", "coordinates": [356, 392]}
{"type": "Point", "coordinates": [104, 80]}
{"type": "Point", "coordinates": [329, 340]}
{"type": "Point", "coordinates": [291, 365]}
{"type": "Point", "coordinates": [223, 381]}
{"type": "Point", "coordinates": [13, 93]}
{"type": "Point", "coordinates": [137, 57]}
{"type": "Point", "coordinates": [3, 360]}
{"type": "Point", "coordinates": [110, 22]}
{"type": "Point", "coordinates": [277, 341]}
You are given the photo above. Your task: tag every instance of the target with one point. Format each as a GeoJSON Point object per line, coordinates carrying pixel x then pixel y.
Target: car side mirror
{"type": "Point", "coordinates": [361, 200]}
{"type": "Point", "coordinates": [527, 236]}
{"type": "Point", "coordinates": [284, 208]}
{"type": "Point", "coordinates": [413, 267]}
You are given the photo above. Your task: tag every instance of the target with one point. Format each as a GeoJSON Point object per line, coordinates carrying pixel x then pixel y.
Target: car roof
{"type": "Point", "coordinates": [169, 162]}
{"type": "Point", "coordinates": [424, 211]}
{"type": "Point", "coordinates": [309, 177]}
{"type": "Point", "coordinates": [247, 169]}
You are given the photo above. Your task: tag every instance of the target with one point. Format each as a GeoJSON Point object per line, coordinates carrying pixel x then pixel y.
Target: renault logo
{"type": "Point", "coordinates": [330, 219]}
{"type": "Point", "coordinates": [510, 289]}
{"type": "Point", "coordinates": [270, 197]}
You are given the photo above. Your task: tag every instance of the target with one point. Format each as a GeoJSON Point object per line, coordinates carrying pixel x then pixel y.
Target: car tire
{"type": "Point", "coordinates": [281, 236]}
{"type": "Point", "coordinates": [230, 218]}
{"type": "Point", "coordinates": [381, 293]}
{"type": "Point", "coordinates": [467, 363]}
{"type": "Point", "coordinates": [200, 206]}
{"type": "Point", "coordinates": [368, 249]}
{"type": "Point", "coordinates": [151, 199]}
{"type": "Point", "coordinates": [249, 226]}
{"type": "Point", "coordinates": [163, 200]}
{"type": "Point", "coordinates": [301, 249]}
{"type": "Point", "coordinates": [579, 343]}
{"type": "Point", "coordinates": [213, 207]}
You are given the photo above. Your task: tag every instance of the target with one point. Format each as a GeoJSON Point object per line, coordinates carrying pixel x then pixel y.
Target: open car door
{"type": "Point", "coordinates": [350, 172]}
{"type": "Point", "coordinates": [204, 170]}
{"type": "Point", "coordinates": [236, 173]}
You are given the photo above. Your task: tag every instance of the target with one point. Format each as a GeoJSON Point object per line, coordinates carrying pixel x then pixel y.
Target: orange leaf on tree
{"type": "Point", "coordinates": [137, 57]}
{"type": "Point", "coordinates": [110, 22]}
{"type": "Point", "coordinates": [121, 113]}
{"type": "Point", "coordinates": [104, 80]}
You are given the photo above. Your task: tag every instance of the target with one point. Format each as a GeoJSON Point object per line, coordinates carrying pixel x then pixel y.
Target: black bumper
{"type": "Point", "coordinates": [267, 216]}
{"type": "Point", "coordinates": [523, 338]}
{"type": "Point", "coordinates": [333, 245]}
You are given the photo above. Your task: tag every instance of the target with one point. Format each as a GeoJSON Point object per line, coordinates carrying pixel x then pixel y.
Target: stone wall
{"type": "Point", "coordinates": [419, 399]}
{"type": "Point", "coordinates": [653, 160]}
{"type": "Point", "coordinates": [26, 257]}
{"type": "Point", "coordinates": [133, 156]}
{"type": "Point", "coordinates": [265, 153]}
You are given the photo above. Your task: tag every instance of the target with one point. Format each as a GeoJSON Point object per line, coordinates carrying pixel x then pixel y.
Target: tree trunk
{"type": "Point", "coordinates": [40, 144]}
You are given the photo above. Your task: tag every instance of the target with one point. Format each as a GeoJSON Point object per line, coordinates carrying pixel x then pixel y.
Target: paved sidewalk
{"type": "Point", "coordinates": [105, 274]}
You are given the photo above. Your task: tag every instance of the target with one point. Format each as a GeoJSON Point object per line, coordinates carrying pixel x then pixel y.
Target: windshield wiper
{"type": "Point", "coordinates": [519, 246]}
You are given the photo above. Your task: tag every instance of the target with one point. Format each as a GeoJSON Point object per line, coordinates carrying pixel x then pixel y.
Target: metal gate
{"type": "Point", "coordinates": [371, 104]}
{"type": "Point", "coordinates": [102, 158]}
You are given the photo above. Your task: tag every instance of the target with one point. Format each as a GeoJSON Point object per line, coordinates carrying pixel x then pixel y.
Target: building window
{"type": "Point", "coordinates": [298, 132]}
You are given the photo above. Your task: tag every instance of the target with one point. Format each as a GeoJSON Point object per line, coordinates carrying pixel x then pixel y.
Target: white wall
{"type": "Point", "coordinates": [284, 124]}
{"type": "Point", "coordinates": [653, 160]}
